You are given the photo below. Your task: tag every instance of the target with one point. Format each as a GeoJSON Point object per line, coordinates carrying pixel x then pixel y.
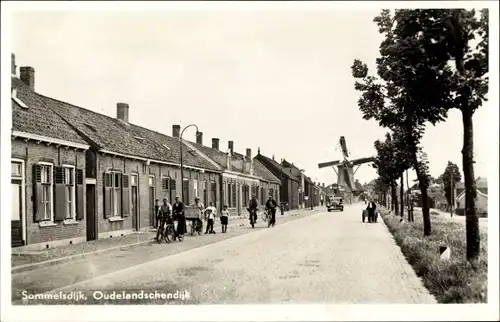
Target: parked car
{"type": "Point", "coordinates": [334, 203]}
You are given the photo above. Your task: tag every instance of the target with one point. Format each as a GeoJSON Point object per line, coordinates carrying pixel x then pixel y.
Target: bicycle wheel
{"type": "Point", "coordinates": [199, 227]}
{"type": "Point", "coordinates": [159, 238]}
{"type": "Point", "coordinates": [194, 227]}
{"type": "Point", "coordinates": [169, 234]}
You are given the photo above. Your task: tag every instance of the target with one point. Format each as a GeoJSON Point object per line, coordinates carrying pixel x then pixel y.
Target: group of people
{"type": "Point", "coordinates": [271, 206]}
{"type": "Point", "coordinates": [167, 213]}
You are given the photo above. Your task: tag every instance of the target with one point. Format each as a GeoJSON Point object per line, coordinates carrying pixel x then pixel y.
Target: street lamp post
{"type": "Point", "coordinates": [182, 166]}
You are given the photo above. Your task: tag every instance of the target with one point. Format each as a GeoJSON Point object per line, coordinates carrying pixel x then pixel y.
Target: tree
{"type": "Point", "coordinates": [459, 37]}
{"type": "Point", "coordinates": [449, 178]}
{"type": "Point", "coordinates": [405, 72]}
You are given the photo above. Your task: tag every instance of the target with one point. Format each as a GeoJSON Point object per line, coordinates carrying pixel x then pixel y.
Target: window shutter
{"type": "Point", "coordinates": [125, 195]}
{"type": "Point", "coordinates": [107, 194]}
{"type": "Point", "coordinates": [164, 184]}
{"type": "Point", "coordinates": [60, 194]}
{"type": "Point", "coordinates": [79, 195]}
{"type": "Point", "coordinates": [38, 193]}
{"type": "Point", "coordinates": [173, 189]}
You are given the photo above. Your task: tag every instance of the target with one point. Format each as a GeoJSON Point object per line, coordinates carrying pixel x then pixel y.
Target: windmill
{"type": "Point", "coordinates": [345, 173]}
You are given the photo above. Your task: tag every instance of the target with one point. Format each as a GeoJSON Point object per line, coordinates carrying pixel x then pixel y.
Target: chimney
{"type": "Point", "coordinates": [248, 162]}
{"type": "Point", "coordinates": [323, 184]}
{"type": "Point", "coordinates": [258, 150]}
{"type": "Point", "coordinates": [230, 146]}
{"type": "Point", "coordinates": [176, 131]}
{"type": "Point", "coordinates": [122, 112]}
{"type": "Point", "coordinates": [13, 67]}
{"type": "Point", "coordinates": [199, 138]}
{"type": "Point", "coordinates": [228, 161]}
{"type": "Point", "coordinates": [215, 143]}
{"type": "Point", "coordinates": [28, 76]}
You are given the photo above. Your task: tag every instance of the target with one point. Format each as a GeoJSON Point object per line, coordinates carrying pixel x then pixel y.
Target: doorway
{"type": "Point", "coordinates": [91, 220]}
{"type": "Point", "coordinates": [18, 235]}
{"type": "Point", "coordinates": [135, 212]}
{"type": "Point", "coordinates": [151, 201]}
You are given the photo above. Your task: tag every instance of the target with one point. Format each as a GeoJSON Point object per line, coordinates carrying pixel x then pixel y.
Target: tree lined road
{"type": "Point", "coordinates": [323, 258]}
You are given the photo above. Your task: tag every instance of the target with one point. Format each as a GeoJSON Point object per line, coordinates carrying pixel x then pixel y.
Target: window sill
{"type": "Point", "coordinates": [47, 224]}
{"type": "Point", "coordinates": [115, 218]}
{"type": "Point", "coordinates": [70, 222]}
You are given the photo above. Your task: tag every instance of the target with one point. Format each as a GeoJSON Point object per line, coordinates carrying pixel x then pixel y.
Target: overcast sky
{"type": "Point", "coordinates": [278, 80]}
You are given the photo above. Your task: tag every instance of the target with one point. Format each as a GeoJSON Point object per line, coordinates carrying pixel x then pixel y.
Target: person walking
{"type": "Point", "coordinates": [224, 218]}
{"type": "Point", "coordinates": [371, 208]}
{"type": "Point", "coordinates": [201, 207]}
{"type": "Point", "coordinates": [271, 206]}
{"type": "Point", "coordinates": [210, 216]}
{"type": "Point", "coordinates": [157, 213]}
{"type": "Point", "coordinates": [178, 211]}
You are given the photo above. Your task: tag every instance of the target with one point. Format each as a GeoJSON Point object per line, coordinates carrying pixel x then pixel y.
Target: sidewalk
{"type": "Point", "coordinates": [25, 260]}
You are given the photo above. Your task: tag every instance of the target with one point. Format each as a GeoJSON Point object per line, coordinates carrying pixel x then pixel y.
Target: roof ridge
{"type": "Point", "coordinates": [101, 114]}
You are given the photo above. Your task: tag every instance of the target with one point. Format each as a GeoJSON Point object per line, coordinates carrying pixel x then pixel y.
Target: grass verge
{"type": "Point", "coordinates": [452, 281]}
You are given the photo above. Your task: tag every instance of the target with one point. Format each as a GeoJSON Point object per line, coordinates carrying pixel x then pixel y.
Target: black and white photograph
{"type": "Point", "coordinates": [249, 161]}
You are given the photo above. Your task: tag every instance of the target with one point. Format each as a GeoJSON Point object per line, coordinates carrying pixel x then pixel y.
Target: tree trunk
{"type": "Point", "coordinates": [425, 207]}
{"type": "Point", "coordinates": [471, 218]}
{"type": "Point", "coordinates": [394, 201]}
{"type": "Point", "coordinates": [408, 198]}
{"type": "Point", "coordinates": [402, 195]}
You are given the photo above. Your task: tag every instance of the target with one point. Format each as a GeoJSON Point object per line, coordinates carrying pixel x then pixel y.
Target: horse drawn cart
{"type": "Point", "coordinates": [194, 216]}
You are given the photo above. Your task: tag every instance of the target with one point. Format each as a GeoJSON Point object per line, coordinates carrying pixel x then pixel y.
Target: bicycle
{"type": "Point", "coordinates": [169, 234]}
{"type": "Point", "coordinates": [267, 216]}
{"type": "Point", "coordinates": [196, 226]}
{"type": "Point", "coordinates": [252, 216]}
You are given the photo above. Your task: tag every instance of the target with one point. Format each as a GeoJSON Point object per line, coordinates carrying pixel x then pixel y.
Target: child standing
{"type": "Point", "coordinates": [210, 214]}
{"type": "Point", "coordinates": [224, 217]}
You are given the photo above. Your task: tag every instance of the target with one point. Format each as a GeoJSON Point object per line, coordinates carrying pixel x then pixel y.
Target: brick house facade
{"type": "Point", "coordinates": [290, 184]}
{"type": "Point", "coordinates": [47, 171]}
{"type": "Point", "coordinates": [117, 170]}
{"type": "Point", "coordinates": [240, 179]}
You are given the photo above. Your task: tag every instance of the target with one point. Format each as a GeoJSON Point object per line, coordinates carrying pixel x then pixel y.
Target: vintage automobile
{"type": "Point", "coordinates": [334, 203]}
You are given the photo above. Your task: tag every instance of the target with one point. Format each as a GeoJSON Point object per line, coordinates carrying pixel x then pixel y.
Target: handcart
{"type": "Point", "coordinates": [194, 216]}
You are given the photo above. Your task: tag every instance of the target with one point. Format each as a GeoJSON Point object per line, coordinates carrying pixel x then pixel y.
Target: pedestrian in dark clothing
{"type": "Point", "coordinates": [371, 208]}
{"type": "Point", "coordinates": [271, 206]}
{"type": "Point", "coordinates": [157, 213]}
{"type": "Point", "coordinates": [179, 215]}
{"type": "Point", "coordinates": [224, 218]}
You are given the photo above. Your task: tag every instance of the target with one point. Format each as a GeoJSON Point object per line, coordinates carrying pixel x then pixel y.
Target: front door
{"type": "Point", "coordinates": [91, 224]}
{"type": "Point", "coordinates": [17, 211]}
{"type": "Point", "coordinates": [135, 217]}
{"type": "Point", "coordinates": [151, 206]}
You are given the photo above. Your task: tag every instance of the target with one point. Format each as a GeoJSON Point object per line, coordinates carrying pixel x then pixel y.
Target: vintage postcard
{"type": "Point", "coordinates": [249, 161]}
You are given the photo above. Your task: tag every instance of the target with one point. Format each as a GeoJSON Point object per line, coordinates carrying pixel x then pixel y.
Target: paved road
{"type": "Point", "coordinates": [322, 258]}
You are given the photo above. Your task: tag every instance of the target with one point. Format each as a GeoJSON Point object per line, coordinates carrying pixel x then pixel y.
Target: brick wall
{"type": "Point", "coordinates": [145, 202]}
{"type": "Point", "coordinates": [33, 153]}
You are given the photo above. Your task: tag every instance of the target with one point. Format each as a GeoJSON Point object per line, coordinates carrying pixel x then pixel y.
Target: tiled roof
{"type": "Point", "coordinates": [296, 171]}
{"type": "Point", "coordinates": [37, 118]}
{"type": "Point", "coordinates": [278, 167]}
{"type": "Point", "coordinates": [113, 135]}
{"type": "Point", "coordinates": [220, 157]}
{"type": "Point", "coordinates": [263, 172]}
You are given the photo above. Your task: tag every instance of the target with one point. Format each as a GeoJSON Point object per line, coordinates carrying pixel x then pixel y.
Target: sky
{"type": "Point", "coordinates": [276, 79]}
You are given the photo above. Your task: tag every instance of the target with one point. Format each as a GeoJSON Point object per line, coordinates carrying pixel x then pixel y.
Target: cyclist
{"type": "Point", "coordinates": [164, 215]}
{"type": "Point", "coordinates": [271, 206]}
{"type": "Point", "coordinates": [179, 215]}
{"type": "Point", "coordinates": [252, 207]}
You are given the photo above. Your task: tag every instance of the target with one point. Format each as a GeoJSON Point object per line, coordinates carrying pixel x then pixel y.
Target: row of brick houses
{"type": "Point", "coordinates": [77, 175]}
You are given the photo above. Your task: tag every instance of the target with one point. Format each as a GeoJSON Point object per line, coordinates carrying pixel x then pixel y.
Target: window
{"type": "Point", "coordinates": [116, 195]}
{"type": "Point", "coordinates": [233, 197]}
{"type": "Point", "coordinates": [195, 187]}
{"type": "Point", "coordinates": [151, 181]}
{"type": "Point", "coordinates": [16, 169]}
{"type": "Point", "coordinates": [133, 180]}
{"type": "Point", "coordinates": [44, 192]}
{"type": "Point", "coordinates": [69, 182]}
{"type": "Point", "coordinates": [229, 195]}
